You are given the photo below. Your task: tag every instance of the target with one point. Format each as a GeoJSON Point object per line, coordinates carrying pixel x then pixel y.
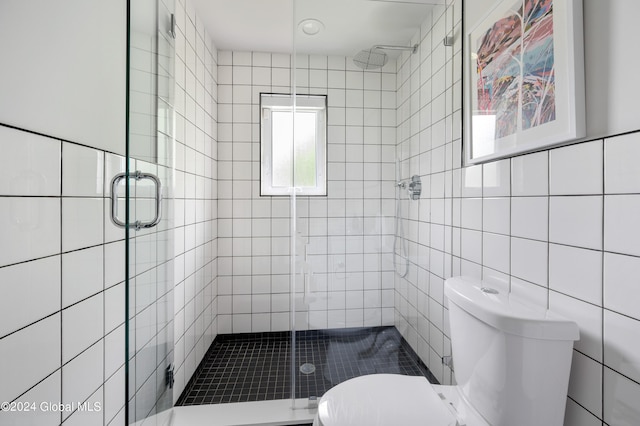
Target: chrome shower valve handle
{"type": "Point", "coordinates": [415, 187]}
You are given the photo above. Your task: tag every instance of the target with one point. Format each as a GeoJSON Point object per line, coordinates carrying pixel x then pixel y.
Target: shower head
{"type": "Point", "coordinates": [376, 57]}
{"type": "Point", "coordinates": [370, 59]}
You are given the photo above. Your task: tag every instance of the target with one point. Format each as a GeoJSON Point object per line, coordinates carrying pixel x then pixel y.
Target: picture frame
{"type": "Point", "coordinates": [523, 90]}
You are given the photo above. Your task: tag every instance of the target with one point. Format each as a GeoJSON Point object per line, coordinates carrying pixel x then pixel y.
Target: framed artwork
{"type": "Point", "coordinates": [524, 79]}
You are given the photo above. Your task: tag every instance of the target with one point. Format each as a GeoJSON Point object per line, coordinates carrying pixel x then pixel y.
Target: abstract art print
{"type": "Point", "coordinates": [524, 78]}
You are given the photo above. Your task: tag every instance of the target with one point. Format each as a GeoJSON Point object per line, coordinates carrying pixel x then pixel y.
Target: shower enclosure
{"type": "Point", "coordinates": [226, 260]}
{"type": "Point", "coordinates": [369, 75]}
{"type": "Point", "coordinates": [390, 81]}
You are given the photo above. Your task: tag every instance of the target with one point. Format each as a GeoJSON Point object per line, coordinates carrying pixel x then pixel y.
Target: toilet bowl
{"type": "Point", "coordinates": [512, 362]}
{"type": "Point", "coordinates": [393, 399]}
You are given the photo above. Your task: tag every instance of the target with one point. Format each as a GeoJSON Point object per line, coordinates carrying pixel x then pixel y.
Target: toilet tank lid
{"type": "Point", "coordinates": [507, 313]}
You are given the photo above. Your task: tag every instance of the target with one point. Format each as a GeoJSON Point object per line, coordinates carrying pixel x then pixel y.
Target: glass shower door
{"type": "Point", "coordinates": [377, 79]}
{"type": "Point", "coordinates": [148, 216]}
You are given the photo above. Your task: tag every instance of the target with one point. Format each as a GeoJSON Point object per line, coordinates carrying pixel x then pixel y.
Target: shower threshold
{"type": "Point", "coordinates": [256, 413]}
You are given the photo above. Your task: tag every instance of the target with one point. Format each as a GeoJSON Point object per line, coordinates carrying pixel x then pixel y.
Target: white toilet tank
{"type": "Point", "coordinates": [511, 360]}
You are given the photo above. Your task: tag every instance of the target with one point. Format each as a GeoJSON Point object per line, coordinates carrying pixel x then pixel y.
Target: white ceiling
{"type": "Point", "coordinates": [350, 25]}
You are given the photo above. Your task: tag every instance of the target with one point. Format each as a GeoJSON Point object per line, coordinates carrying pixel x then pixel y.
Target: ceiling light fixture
{"type": "Point", "coordinates": [311, 26]}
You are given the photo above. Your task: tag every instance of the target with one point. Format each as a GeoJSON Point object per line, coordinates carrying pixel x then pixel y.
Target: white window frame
{"type": "Point", "coordinates": [270, 102]}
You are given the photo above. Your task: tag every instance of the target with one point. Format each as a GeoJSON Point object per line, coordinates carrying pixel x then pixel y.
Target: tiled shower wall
{"type": "Point", "coordinates": [558, 227]}
{"type": "Point", "coordinates": [62, 262]}
{"type": "Point", "coordinates": [349, 232]}
{"type": "Point", "coordinates": [196, 188]}
{"type": "Point", "coordinates": [428, 147]}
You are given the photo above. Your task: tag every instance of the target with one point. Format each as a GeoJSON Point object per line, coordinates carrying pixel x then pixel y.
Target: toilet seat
{"type": "Point", "coordinates": [386, 399]}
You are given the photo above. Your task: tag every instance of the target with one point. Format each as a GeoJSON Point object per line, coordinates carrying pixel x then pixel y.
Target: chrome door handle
{"type": "Point", "coordinates": [114, 200]}
{"type": "Point", "coordinates": [138, 175]}
{"type": "Point", "coordinates": [156, 220]}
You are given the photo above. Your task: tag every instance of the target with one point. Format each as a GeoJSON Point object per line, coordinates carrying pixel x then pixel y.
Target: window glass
{"type": "Point", "coordinates": [285, 163]}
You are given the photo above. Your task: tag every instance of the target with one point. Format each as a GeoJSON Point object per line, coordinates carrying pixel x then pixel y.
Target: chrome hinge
{"type": "Point", "coordinates": [312, 402]}
{"type": "Point", "coordinates": [169, 376]}
{"type": "Point", "coordinates": [172, 26]}
{"type": "Point", "coordinates": [448, 361]}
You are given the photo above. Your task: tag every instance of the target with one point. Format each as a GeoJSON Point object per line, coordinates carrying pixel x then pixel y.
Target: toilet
{"type": "Point", "coordinates": [511, 360]}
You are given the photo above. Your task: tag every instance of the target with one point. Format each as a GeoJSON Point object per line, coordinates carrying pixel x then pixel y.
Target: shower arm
{"type": "Point", "coordinates": [413, 48]}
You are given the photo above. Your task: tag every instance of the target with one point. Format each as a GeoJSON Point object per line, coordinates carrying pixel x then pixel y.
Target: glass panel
{"type": "Point", "coordinates": [150, 247]}
{"type": "Point", "coordinates": [388, 79]}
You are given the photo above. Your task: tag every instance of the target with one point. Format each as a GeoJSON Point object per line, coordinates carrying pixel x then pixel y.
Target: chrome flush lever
{"type": "Point", "coordinates": [138, 175]}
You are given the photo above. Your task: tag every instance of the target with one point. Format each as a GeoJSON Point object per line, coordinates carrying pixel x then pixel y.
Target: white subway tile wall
{"type": "Point", "coordinates": [38, 171]}
{"type": "Point", "coordinates": [621, 170]}
{"type": "Point", "coordinates": [194, 311]}
{"type": "Point", "coordinates": [557, 227]}
{"type": "Point", "coordinates": [347, 235]}
{"type": "Point", "coordinates": [67, 344]}
{"type": "Point", "coordinates": [576, 169]}
{"type": "Point", "coordinates": [55, 340]}
{"type": "Point", "coordinates": [422, 136]}
{"type": "Point", "coordinates": [195, 209]}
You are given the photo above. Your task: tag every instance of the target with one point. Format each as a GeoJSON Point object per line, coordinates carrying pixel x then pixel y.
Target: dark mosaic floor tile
{"type": "Point", "coordinates": [256, 366]}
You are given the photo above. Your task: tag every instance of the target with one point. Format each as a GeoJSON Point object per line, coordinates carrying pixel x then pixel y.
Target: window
{"type": "Point", "coordinates": [284, 164]}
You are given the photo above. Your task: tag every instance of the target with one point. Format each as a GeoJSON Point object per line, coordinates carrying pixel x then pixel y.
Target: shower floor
{"type": "Point", "coordinates": [256, 366]}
